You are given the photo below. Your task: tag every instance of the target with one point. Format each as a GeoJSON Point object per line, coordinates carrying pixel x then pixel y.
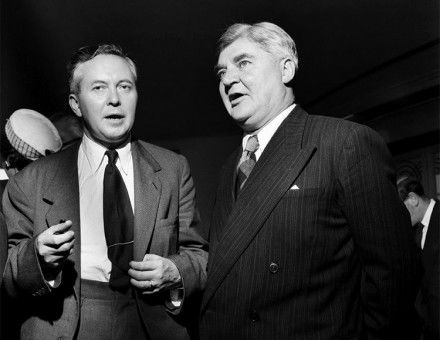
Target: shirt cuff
{"type": "Point", "coordinates": [176, 298]}
{"type": "Point", "coordinates": [55, 283]}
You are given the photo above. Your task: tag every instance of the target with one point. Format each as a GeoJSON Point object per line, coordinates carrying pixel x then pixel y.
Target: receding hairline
{"type": "Point", "coordinates": [77, 77]}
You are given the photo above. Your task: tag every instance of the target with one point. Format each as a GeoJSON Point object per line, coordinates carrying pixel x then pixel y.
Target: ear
{"type": "Point", "coordinates": [287, 70]}
{"type": "Point", "coordinates": [413, 199]}
{"type": "Point", "coordinates": [74, 104]}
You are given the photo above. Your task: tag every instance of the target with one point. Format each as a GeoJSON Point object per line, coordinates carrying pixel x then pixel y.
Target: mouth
{"type": "Point", "coordinates": [234, 98]}
{"type": "Point", "coordinates": [114, 116]}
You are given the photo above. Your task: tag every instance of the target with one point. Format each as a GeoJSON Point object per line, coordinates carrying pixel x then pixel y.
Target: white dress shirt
{"type": "Point", "coordinates": [95, 264]}
{"type": "Point", "coordinates": [266, 132]}
{"type": "Point", "coordinates": [425, 221]}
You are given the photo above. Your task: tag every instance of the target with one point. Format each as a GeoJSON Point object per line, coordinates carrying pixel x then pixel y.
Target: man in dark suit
{"type": "Point", "coordinates": [308, 237]}
{"type": "Point", "coordinates": [425, 219]}
{"type": "Point", "coordinates": [103, 240]}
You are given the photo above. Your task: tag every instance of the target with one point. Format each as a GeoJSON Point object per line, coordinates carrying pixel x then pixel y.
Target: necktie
{"type": "Point", "coordinates": [418, 233]}
{"type": "Point", "coordinates": [118, 223]}
{"type": "Point", "coordinates": [247, 162]}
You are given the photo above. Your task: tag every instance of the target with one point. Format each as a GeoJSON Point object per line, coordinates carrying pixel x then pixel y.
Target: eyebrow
{"type": "Point", "coordinates": [236, 59]}
{"type": "Point", "coordinates": [126, 81]}
{"type": "Point", "coordinates": [99, 81]}
{"type": "Point", "coordinates": [217, 68]}
{"type": "Point", "coordinates": [242, 56]}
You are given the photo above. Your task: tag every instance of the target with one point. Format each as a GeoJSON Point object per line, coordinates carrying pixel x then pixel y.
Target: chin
{"type": "Point", "coordinates": [116, 138]}
{"type": "Point", "coordinates": [240, 115]}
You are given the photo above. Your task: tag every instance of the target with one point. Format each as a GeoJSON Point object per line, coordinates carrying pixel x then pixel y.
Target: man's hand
{"type": "Point", "coordinates": [53, 246]}
{"type": "Point", "coordinates": [154, 274]}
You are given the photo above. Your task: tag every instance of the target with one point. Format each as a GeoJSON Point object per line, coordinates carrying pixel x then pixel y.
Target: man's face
{"type": "Point", "coordinates": [251, 83]}
{"type": "Point", "coordinates": [411, 203]}
{"type": "Point", "coordinates": [106, 100]}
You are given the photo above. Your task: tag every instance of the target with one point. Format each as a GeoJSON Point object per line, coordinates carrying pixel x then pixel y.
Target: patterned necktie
{"type": "Point", "coordinates": [118, 223]}
{"type": "Point", "coordinates": [247, 162]}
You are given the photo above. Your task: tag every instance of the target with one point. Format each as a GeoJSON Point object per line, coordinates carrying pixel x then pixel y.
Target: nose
{"type": "Point", "coordinates": [229, 78]}
{"type": "Point", "coordinates": [113, 97]}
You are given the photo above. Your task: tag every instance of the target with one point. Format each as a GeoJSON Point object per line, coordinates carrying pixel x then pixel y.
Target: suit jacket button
{"type": "Point", "coordinates": [273, 268]}
{"type": "Point", "coordinates": [254, 316]}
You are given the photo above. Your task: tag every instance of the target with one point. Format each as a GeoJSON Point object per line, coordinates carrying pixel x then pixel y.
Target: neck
{"type": "Point", "coordinates": [270, 118]}
{"type": "Point", "coordinates": [111, 144]}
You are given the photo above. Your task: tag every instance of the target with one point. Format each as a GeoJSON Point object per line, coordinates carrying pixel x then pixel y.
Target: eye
{"type": "Point", "coordinates": [243, 63]}
{"type": "Point", "coordinates": [125, 87]}
{"type": "Point", "coordinates": [221, 73]}
{"type": "Point", "coordinates": [98, 88]}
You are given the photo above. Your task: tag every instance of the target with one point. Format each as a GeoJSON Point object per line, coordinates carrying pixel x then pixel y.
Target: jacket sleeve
{"type": "Point", "coordinates": [23, 272]}
{"type": "Point", "coordinates": [192, 256]}
{"type": "Point", "coordinates": [381, 229]}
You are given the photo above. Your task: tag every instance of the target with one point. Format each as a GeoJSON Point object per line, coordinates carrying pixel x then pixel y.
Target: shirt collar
{"type": "Point", "coordinates": [267, 131]}
{"type": "Point", "coordinates": [428, 212]}
{"type": "Point", "coordinates": [95, 154]}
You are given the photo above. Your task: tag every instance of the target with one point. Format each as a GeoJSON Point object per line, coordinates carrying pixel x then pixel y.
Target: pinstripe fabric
{"type": "Point", "coordinates": [332, 260]}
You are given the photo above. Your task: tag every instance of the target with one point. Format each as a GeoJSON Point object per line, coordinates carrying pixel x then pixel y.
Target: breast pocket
{"type": "Point", "coordinates": [305, 192]}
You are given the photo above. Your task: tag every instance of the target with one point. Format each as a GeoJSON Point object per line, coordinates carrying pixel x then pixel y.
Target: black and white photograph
{"type": "Point", "coordinates": [231, 170]}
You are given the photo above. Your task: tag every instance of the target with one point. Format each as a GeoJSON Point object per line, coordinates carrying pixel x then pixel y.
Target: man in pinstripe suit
{"type": "Point", "coordinates": [308, 237]}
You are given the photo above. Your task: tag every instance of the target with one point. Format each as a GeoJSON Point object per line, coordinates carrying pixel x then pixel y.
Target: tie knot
{"type": "Point", "coordinates": [112, 156]}
{"type": "Point", "coordinates": [252, 144]}
{"type": "Point", "coordinates": [419, 226]}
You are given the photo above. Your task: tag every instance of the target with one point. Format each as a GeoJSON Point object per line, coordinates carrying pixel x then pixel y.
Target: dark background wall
{"type": "Point", "coordinates": [371, 61]}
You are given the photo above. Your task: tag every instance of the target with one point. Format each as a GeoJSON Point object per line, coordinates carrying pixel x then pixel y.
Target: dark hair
{"type": "Point", "coordinates": [407, 185]}
{"type": "Point", "coordinates": [87, 53]}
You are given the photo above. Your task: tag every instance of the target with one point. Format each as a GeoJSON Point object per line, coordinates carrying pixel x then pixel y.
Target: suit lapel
{"type": "Point", "coordinates": [61, 199]}
{"type": "Point", "coordinates": [280, 164]}
{"type": "Point", "coordinates": [225, 195]}
{"type": "Point", "coordinates": [147, 191]}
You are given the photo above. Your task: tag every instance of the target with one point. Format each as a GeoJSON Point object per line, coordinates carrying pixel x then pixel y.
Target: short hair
{"type": "Point", "coordinates": [87, 53]}
{"type": "Point", "coordinates": [272, 38]}
{"type": "Point", "coordinates": [407, 185]}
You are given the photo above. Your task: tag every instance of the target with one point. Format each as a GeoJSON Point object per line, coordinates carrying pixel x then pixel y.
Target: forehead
{"type": "Point", "coordinates": [239, 47]}
{"type": "Point", "coordinates": [103, 67]}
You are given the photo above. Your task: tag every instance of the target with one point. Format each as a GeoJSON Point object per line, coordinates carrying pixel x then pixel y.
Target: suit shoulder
{"type": "Point", "coordinates": [326, 121]}
{"type": "Point", "coordinates": [343, 138]}
{"type": "Point", "coordinates": [43, 165]}
{"type": "Point", "coordinates": [327, 128]}
{"type": "Point", "coordinates": [161, 154]}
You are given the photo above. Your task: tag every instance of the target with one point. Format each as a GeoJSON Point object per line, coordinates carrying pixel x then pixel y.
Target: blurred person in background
{"type": "Point", "coordinates": [69, 127]}
{"type": "Point", "coordinates": [425, 219]}
{"type": "Point", "coordinates": [31, 136]}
